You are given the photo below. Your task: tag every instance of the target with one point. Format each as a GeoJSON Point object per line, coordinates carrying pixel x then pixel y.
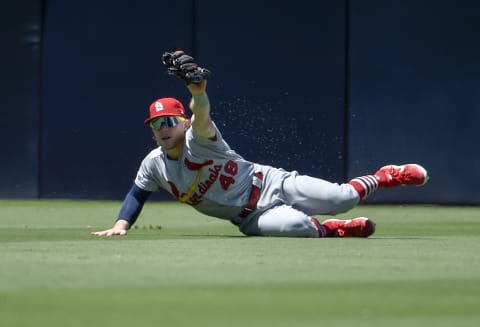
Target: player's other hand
{"type": "Point", "coordinates": [110, 232]}
{"type": "Point", "coordinates": [119, 229]}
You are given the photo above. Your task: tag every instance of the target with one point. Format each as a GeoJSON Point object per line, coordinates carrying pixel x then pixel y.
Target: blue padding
{"type": "Point", "coordinates": [133, 204]}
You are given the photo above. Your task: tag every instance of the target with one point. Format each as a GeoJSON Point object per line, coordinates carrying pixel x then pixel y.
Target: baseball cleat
{"type": "Point", "coordinates": [409, 174]}
{"type": "Point", "coordinates": [356, 227]}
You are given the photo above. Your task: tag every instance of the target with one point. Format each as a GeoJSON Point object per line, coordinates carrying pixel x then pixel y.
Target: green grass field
{"type": "Point", "coordinates": [180, 268]}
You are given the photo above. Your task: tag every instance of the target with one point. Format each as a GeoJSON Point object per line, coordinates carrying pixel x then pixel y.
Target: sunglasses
{"type": "Point", "coordinates": [169, 121]}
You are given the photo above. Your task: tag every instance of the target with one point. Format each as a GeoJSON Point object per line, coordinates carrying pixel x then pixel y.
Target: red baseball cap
{"type": "Point", "coordinates": [166, 107]}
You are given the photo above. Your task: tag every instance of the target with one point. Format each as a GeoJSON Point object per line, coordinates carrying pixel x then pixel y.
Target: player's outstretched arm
{"type": "Point", "coordinates": [130, 210]}
{"type": "Point", "coordinates": [120, 228]}
{"type": "Point", "coordinates": [200, 105]}
{"type": "Point", "coordinates": [183, 66]}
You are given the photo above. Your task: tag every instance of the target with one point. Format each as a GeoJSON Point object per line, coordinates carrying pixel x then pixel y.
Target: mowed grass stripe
{"type": "Point", "coordinates": [360, 303]}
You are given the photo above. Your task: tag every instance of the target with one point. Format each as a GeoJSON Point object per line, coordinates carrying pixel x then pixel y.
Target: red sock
{"type": "Point", "coordinates": [364, 185]}
{"type": "Point", "coordinates": [322, 231]}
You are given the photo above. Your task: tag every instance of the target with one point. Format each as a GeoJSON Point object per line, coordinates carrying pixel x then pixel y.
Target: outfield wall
{"type": "Point", "coordinates": [328, 88]}
{"type": "Point", "coordinates": [20, 67]}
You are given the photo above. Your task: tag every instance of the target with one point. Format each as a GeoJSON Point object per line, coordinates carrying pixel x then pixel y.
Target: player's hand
{"type": "Point", "coordinates": [184, 67]}
{"type": "Point", "coordinates": [111, 232]}
{"type": "Point", "coordinates": [119, 229]}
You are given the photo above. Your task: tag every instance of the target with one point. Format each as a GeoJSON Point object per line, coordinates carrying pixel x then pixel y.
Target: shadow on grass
{"type": "Point", "coordinates": [210, 235]}
{"type": "Point", "coordinates": [399, 238]}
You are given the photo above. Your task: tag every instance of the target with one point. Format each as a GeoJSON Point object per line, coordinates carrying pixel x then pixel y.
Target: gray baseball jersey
{"type": "Point", "coordinates": [217, 181]}
{"type": "Point", "coordinates": [225, 177]}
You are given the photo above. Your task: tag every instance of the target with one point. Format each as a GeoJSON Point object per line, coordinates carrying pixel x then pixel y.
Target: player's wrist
{"type": "Point", "coordinates": [200, 99]}
{"type": "Point", "coordinates": [121, 224]}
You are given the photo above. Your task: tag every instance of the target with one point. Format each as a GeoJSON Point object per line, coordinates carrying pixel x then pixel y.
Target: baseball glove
{"type": "Point", "coordinates": [184, 67]}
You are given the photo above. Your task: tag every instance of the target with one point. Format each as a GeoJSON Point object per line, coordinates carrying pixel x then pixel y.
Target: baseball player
{"type": "Point", "coordinates": [196, 166]}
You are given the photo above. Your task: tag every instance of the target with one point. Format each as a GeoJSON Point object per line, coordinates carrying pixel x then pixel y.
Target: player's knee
{"type": "Point", "coordinates": [284, 221]}
{"type": "Point", "coordinates": [343, 200]}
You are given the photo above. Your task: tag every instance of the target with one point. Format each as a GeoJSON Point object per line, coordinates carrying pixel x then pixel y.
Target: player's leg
{"type": "Point", "coordinates": [289, 222]}
{"type": "Point", "coordinates": [317, 196]}
{"type": "Point", "coordinates": [285, 221]}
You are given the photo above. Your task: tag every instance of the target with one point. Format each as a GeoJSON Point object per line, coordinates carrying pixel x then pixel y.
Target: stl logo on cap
{"type": "Point", "coordinates": [158, 106]}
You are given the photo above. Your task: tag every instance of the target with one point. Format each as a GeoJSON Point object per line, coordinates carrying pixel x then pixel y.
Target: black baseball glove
{"type": "Point", "coordinates": [184, 67]}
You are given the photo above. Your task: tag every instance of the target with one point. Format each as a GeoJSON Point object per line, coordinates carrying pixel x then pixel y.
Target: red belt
{"type": "Point", "coordinates": [254, 195]}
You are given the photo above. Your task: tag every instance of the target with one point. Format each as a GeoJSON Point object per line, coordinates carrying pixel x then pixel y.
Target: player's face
{"type": "Point", "coordinates": [169, 132]}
